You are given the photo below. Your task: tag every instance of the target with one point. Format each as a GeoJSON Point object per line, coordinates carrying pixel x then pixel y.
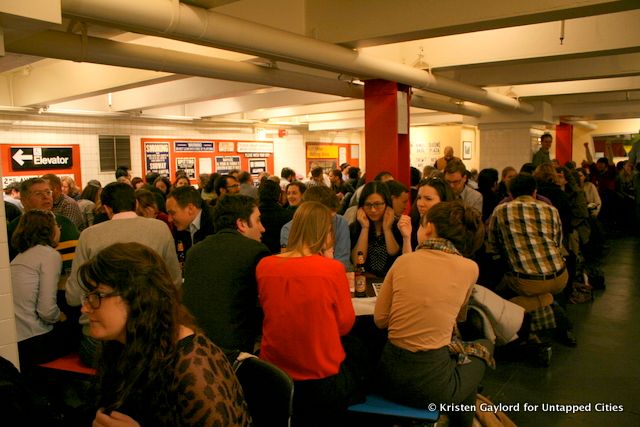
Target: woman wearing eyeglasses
{"type": "Point", "coordinates": [156, 368]}
{"type": "Point", "coordinates": [376, 232]}
{"type": "Point", "coordinates": [43, 335]}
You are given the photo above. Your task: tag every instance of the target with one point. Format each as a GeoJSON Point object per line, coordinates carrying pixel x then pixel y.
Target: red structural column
{"type": "Point", "coordinates": [386, 149]}
{"type": "Point", "coordinates": [564, 143]}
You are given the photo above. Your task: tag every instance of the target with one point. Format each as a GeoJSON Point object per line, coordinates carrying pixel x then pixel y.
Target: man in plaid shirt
{"type": "Point", "coordinates": [528, 235]}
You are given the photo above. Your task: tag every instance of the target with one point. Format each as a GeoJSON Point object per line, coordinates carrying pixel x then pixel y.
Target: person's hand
{"type": "Point", "coordinates": [586, 144]}
{"type": "Point", "coordinates": [115, 419]}
{"type": "Point", "coordinates": [388, 218]}
{"type": "Point", "coordinates": [62, 318]}
{"type": "Point", "coordinates": [362, 218]}
{"type": "Point", "coordinates": [404, 225]}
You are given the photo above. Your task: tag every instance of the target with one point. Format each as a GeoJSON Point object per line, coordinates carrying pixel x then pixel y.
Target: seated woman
{"type": "Point", "coordinates": [42, 333]}
{"type": "Point", "coordinates": [307, 309]}
{"type": "Point", "coordinates": [156, 368]}
{"type": "Point", "coordinates": [295, 190]}
{"type": "Point", "coordinates": [431, 191]}
{"type": "Point", "coordinates": [146, 206]}
{"type": "Point", "coordinates": [376, 233]}
{"type": "Point", "coordinates": [421, 297]}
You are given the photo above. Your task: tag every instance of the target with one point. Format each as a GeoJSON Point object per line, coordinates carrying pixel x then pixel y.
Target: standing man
{"type": "Point", "coordinates": [192, 220]}
{"type": "Point", "coordinates": [542, 155]}
{"type": "Point", "coordinates": [124, 225]}
{"type": "Point", "coordinates": [455, 174]}
{"type": "Point", "coordinates": [63, 204]}
{"type": "Point", "coordinates": [220, 287]}
{"type": "Point", "coordinates": [442, 162]}
{"type": "Point", "coordinates": [528, 235]}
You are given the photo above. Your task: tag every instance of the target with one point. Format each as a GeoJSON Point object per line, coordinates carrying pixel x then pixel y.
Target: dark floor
{"type": "Point", "coordinates": [603, 369]}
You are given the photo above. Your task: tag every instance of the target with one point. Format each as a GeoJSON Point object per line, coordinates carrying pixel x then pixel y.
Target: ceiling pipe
{"type": "Point", "coordinates": [59, 45]}
{"type": "Point", "coordinates": [173, 19]}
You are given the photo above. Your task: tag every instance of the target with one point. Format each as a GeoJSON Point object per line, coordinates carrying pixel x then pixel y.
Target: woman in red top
{"type": "Point", "coordinates": [307, 311]}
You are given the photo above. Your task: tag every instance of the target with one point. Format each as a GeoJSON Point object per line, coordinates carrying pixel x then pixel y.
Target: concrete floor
{"type": "Point", "coordinates": [603, 369]}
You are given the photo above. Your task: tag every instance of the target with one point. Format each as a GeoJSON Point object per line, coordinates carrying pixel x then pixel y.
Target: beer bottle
{"type": "Point", "coordinates": [361, 279]}
{"type": "Point", "coordinates": [181, 254]}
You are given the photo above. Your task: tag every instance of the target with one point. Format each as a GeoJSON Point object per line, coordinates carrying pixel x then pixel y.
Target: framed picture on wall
{"type": "Point", "coordinates": [466, 150]}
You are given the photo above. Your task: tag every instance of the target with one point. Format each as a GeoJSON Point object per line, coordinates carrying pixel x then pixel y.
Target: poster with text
{"type": "Point", "coordinates": [225, 164]}
{"type": "Point", "coordinates": [257, 166]}
{"type": "Point", "coordinates": [188, 165]}
{"type": "Point", "coordinates": [157, 157]}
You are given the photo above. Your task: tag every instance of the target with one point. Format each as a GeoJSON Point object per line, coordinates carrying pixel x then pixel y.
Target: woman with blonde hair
{"type": "Point", "coordinates": [307, 313]}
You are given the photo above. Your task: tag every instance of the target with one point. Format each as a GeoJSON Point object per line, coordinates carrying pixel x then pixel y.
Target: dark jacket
{"type": "Point", "coordinates": [220, 288]}
{"type": "Point", "coordinates": [273, 217]}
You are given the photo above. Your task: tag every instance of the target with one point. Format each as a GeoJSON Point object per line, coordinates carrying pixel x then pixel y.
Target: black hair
{"type": "Point", "coordinates": [118, 196]}
{"type": "Point", "coordinates": [231, 208]}
{"type": "Point", "coordinates": [522, 184]}
{"type": "Point", "coordinates": [185, 195]}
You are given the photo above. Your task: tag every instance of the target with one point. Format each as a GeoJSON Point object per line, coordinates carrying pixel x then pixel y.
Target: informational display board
{"type": "Point", "coordinates": [24, 161]}
{"type": "Point", "coordinates": [195, 157]}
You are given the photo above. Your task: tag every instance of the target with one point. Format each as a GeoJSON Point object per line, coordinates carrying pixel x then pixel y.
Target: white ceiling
{"type": "Point", "coordinates": [509, 48]}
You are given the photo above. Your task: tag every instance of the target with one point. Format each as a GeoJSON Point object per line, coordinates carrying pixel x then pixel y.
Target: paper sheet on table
{"type": "Point", "coordinates": [364, 306]}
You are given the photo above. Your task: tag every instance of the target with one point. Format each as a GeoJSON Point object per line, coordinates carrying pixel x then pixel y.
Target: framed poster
{"type": "Point", "coordinates": [466, 150]}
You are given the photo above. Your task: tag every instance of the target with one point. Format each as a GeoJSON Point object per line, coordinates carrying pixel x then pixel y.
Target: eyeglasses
{"type": "Point", "coordinates": [42, 194]}
{"type": "Point", "coordinates": [376, 205]}
{"type": "Point", "coordinates": [233, 186]}
{"type": "Point", "coordinates": [94, 298]}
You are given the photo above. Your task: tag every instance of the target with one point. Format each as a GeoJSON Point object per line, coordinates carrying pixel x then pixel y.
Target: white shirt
{"type": "Point", "coordinates": [34, 277]}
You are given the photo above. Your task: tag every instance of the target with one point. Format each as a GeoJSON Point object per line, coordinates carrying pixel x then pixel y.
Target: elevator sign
{"type": "Point", "coordinates": [30, 158]}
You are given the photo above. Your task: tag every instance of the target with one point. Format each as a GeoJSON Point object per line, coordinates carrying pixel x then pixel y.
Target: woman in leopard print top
{"type": "Point", "coordinates": [156, 368]}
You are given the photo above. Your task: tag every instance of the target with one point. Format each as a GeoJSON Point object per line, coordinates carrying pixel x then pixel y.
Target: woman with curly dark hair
{"type": "Point", "coordinates": [41, 331]}
{"type": "Point", "coordinates": [156, 368]}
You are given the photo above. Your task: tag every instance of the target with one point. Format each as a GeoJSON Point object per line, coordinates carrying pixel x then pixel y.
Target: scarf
{"type": "Point", "coordinates": [439, 244]}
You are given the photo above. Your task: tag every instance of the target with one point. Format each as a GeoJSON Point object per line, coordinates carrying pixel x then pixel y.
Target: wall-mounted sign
{"type": "Point", "coordinates": [157, 157]}
{"type": "Point", "coordinates": [257, 166]}
{"type": "Point", "coordinates": [6, 180]}
{"type": "Point", "coordinates": [261, 155]}
{"type": "Point", "coordinates": [193, 146]}
{"type": "Point", "coordinates": [225, 164]}
{"type": "Point", "coordinates": [225, 146]}
{"type": "Point", "coordinates": [30, 158]}
{"type": "Point", "coordinates": [322, 151]}
{"type": "Point", "coordinates": [255, 147]}
{"type": "Point", "coordinates": [188, 165]}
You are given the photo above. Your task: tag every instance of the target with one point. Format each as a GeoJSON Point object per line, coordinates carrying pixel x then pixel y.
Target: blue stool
{"type": "Point", "coordinates": [377, 405]}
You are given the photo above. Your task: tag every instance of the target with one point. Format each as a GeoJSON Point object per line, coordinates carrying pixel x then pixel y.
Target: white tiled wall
{"type": "Point", "coordinates": [288, 151]}
{"type": "Point", "coordinates": [8, 345]}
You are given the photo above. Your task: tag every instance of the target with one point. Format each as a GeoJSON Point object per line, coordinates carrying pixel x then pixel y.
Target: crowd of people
{"type": "Point", "coordinates": [171, 280]}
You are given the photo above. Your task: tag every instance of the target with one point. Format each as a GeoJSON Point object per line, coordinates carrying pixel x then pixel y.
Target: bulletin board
{"type": "Point", "coordinates": [196, 156]}
{"type": "Point", "coordinates": [331, 156]}
{"type": "Point", "coordinates": [23, 161]}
